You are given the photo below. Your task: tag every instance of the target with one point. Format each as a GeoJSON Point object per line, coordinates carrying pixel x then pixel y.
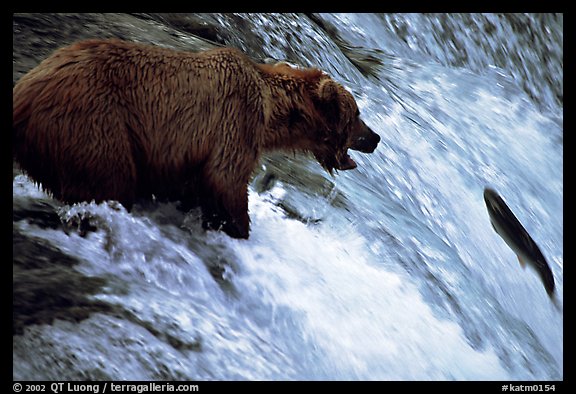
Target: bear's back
{"type": "Point", "coordinates": [107, 119]}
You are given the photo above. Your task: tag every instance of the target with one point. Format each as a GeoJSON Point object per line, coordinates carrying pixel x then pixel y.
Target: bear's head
{"type": "Point", "coordinates": [341, 128]}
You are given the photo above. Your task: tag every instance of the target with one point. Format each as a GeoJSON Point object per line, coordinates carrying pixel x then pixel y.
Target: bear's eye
{"type": "Point", "coordinates": [349, 122]}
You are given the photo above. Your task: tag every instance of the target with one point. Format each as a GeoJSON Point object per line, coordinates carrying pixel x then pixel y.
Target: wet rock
{"type": "Point", "coordinates": [47, 287]}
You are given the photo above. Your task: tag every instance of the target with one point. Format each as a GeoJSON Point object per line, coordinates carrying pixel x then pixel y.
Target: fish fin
{"type": "Point", "coordinates": [546, 275]}
{"type": "Point", "coordinates": [556, 303]}
{"type": "Point", "coordinates": [522, 262]}
{"type": "Point", "coordinates": [493, 226]}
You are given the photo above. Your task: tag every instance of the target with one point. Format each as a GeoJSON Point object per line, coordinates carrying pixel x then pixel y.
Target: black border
{"type": "Point", "coordinates": [332, 6]}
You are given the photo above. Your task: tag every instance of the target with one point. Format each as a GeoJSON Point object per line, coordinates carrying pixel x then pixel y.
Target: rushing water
{"type": "Point", "coordinates": [388, 272]}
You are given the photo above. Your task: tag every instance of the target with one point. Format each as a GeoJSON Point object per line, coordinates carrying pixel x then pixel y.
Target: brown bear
{"type": "Point", "coordinates": [114, 120]}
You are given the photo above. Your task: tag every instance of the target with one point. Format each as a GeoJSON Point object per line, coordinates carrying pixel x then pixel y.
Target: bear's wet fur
{"type": "Point", "coordinates": [115, 120]}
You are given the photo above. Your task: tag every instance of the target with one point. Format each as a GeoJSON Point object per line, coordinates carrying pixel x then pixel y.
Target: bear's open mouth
{"type": "Point", "coordinates": [346, 162]}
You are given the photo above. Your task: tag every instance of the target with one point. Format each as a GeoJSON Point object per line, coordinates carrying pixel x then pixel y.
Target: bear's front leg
{"type": "Point", "coordinates": [226, 208]}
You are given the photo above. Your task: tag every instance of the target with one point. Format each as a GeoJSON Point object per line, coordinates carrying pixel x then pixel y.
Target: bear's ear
{"type": "Point", "coordinates": [328, 95]}
{"type": "Point", "coordinates": [327, 90]}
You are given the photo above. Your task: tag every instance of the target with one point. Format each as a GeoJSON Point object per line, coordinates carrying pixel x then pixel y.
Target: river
{"type": "Point", "coordinates": [391, 271]}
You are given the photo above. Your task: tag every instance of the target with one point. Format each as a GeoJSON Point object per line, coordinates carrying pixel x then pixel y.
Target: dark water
{"type": "Point", "coordinates": [388, 272]}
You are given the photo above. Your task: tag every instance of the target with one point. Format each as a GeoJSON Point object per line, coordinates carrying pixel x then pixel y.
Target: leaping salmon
{"type": "Point", "coordinates": [517, 238]}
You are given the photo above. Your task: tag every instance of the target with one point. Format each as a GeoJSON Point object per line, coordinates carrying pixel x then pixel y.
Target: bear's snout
{"type": "Point", "coordinates": [365, 140]}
